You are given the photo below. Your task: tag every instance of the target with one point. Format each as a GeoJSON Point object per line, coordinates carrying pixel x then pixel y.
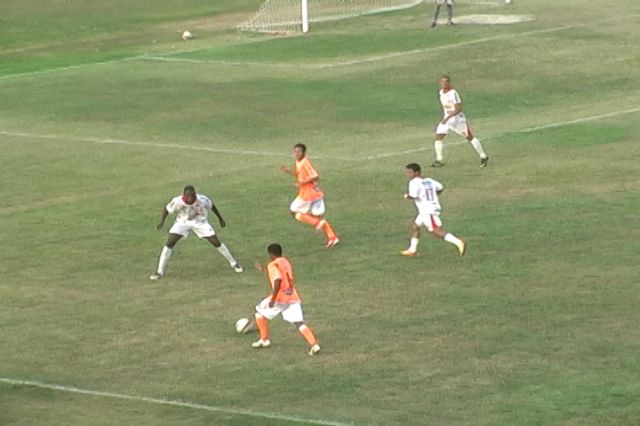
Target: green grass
{"type": "Point", "coordinates": [537, 325]}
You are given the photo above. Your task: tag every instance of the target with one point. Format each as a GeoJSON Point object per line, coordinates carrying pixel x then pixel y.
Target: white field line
{"type": "Point", "coordinates": [108, 141]}
{"type": "Point", "coordinates": [526, 130]}
{"type": "Point", "coordinates": [169, 402]}
{"type": "Point", "coordinates": [392, 55]}
{"type": "Point", "coordinates": [68, 68]}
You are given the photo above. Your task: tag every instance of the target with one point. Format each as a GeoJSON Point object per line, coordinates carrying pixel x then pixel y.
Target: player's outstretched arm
{"type": "Point", "coordinates": [215, 211]}
{"type": "Point", "coordinates": [287, 170]}
{"type": "Point", "coordinates": [163, 217]}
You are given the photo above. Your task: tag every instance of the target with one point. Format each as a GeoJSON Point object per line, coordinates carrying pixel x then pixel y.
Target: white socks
{"type": "Point", "coordinates": [438, 146]}
{"type": "Point", "coordinates": [165, 255]}
{"type": "Point", "coordinates": [450, 238]}
{"type": "Point", "coordinates": [413, 247]}
{"type": "Point", "coordinates": [475, 143]}
{"type": "Point", "coordinates": [224, 251]}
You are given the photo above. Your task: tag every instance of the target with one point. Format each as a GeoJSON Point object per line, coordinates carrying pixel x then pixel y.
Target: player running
{"type": "Point", "coordinates": [191, 211]}
{"type": "Point", "coordinates": [308, 207]}
{"type": "Point", "coordinates": [454, 119]}
{"type": "Point", "coordinates": [284, 299]}
{"type": "Point", "coordinates": [436, 12]}
{"type": "Point", "coordinates": [424, 193]}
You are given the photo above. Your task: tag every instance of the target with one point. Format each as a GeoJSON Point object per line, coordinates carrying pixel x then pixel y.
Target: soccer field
{"type": "Point", "coordinates": [105, 114]}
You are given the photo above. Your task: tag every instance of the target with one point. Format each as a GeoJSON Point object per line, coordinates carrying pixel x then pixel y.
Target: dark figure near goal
{"type": "Point", "coordinates": [436, 13]}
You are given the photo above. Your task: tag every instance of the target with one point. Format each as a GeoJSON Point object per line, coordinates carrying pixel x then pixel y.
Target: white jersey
{"type": "Point", "coordinates": [448, 100]}
{"type": "Point", "coordinates": [424, 192]}
{"type": "Point", "coordinates": [196, 212]}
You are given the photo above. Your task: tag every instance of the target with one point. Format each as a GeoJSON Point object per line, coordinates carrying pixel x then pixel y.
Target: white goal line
{"type": "Point", "coordinates": [173, 403]}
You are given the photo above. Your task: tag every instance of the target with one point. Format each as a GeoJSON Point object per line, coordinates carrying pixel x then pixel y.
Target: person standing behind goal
{"type": "Point", "coordinates": [436, 12]}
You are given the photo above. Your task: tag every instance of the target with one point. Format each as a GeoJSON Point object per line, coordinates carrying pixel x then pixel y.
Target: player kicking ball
{"type": "Point", "coordinates": [191, 211]}
{"type": "Point", "coordinates": [308, 207]}
{"type": "Point", "coordinates": [284, 299]}
{"type": "Point", "coordinates": [424, 193]}
{"type": "Point", "coordinates": [454, 119]}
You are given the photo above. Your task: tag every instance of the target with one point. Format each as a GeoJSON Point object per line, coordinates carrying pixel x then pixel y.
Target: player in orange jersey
{"type": "Point", "coordinates": [308, 207]}
{"type": "Point", "coordinates": [284, 299]}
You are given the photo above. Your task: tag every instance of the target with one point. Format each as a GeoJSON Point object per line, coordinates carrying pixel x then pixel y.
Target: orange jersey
{"type": "Point", "coordinates": [305, 171]}
{"type": "Point", "coordinates": [281, 269]}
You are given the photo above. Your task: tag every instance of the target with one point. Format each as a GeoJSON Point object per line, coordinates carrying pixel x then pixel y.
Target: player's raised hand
{"type": "Point", "coordinates": [285, 169]}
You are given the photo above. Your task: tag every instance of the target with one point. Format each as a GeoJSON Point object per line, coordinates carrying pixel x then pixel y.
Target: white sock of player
{"type": "Point", "coordinates": [165, 255]}
{"type": "Point", "coordinates": [475, 143]}
{"type": "Point", "coordinates": [224, 251]}
{"type": "Point", "coordinates": [438, 146]}
{"type": "Point", "coordinates": [413, 247]}
{"type": "Point", "coordinates": [450, 238]}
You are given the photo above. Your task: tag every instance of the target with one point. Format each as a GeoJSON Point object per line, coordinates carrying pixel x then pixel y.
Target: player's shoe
{"type": "Point", "coordinates": [484, 162]}
{"type": "Point", "coordinates": [463, 248]}
{"type": "Point", "coordinates": [155, 277]}
{"type": "Point", "coordinates": [315, 349]}
{"type": "Point", "coordinates": [408, 253]}
{"type": "Point", "coordinates": [437, 164]}
{"type": "Point", "coordinates": [433, 24]}
{"type": "Point", "coordinates": [237, 268]}
{"type": "Point", "coordinates": [261, 344]}
{"type": "Point", "coordinates": [332, 242]}
{"type": "Point", "coordinates": [451, 23]}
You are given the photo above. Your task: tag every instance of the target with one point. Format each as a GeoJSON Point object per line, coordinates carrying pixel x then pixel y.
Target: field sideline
{"type": "Point", "coordinates": [105, 114]}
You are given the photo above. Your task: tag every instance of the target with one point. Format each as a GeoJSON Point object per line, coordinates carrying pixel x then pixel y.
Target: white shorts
{"type": "Point", "coordinates": [444, 1]}
{"type": "Point", "coordinates": [291, 312]}
{"type": "Point", "coordinates": [458, 124]}
{"type": "Point", "coordinates": [429, 221]}
{"type": "Point", "coordinates": [201, 229]}
{"type": "Point", "coordinates": [316, 207]}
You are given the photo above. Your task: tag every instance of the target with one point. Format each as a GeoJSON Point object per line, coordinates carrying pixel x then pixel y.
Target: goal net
{"type": "Point", "coordinates": [295, 15]}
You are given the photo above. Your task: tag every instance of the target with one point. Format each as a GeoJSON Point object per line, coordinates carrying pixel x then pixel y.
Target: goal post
{"type": "Point", "coordinates": [298, 15]}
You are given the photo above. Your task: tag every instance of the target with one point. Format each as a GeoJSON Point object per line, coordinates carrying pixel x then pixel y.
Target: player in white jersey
{"type": "Point", "coordinates": [424, 193]}
{"type": "Point", "coordinates": [454, 119]}
{"type": "Point", "coordinates": [436, 12]}
{"type": "Point", "coordinates": [191, 210]}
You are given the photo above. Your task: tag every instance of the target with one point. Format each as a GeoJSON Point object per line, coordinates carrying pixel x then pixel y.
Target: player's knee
{"type": "Point", "coordinates": [215, 241]}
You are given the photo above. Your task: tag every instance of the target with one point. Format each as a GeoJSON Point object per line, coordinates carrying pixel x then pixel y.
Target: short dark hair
{"type": "Point", "coordinates": [415, 167]}
{"type": "Point", "coordinates": [275, 249]}
{"type": "Point", "coordinates": [189, 188]}
{"type": "Point", "coordinates": [302, 147]}
{"type": "Point", "coordinates": [446, 77]}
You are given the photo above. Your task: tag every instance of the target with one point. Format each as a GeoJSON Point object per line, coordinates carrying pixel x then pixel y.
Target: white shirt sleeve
{"type": "Point", "coordinates": [437, 185]}
{"type": "Point", "coordinates": [414, 189]}
{"type": "Point", "coordinates": [456, 97]}
{"type": "Point", "coordinates": [208, 203]}
{"type": "Point", "coordinates": [173, 206]}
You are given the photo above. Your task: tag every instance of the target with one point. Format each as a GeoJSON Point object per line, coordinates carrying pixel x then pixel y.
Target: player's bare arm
{"type": "Point", "coordinates": [287, 170]}
{"type": "Point", "coordinates": [276, 289]}
{"type": "Point", "coordinates": [215, 211]}
{"type": "Point", "coordinates": [163, 217]}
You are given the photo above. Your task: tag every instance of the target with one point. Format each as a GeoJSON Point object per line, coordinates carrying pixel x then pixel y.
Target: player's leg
{"type": "Point", "coordinates": [293, 313]}
{"type": "Point", "coordinates": [415, 238]}
{"type": "Point", "coordinates": [438, 145]}
{"type": "Point", "coordinates": [300, 211]}
{"type": "Point", "coordinates": [436, 229]}
{"type": "Point", "coordinates": [462, 128]}
{"type": "Point", "coordinates": [450, 12]}
{"type": "Point", "coordinates": [263, 314]}
{"type": "Point", "coordinates": [436, 13]}
{"type": "Point", "coordinates": [165, 255]}
{"type": "Point", "coordinates": [225, 252]}
{"type": "Point", "coordinates": [318, 210]}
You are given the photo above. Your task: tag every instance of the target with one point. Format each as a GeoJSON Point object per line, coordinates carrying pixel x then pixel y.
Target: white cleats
{"type": "Point", "coordinates": [155, 277]}
{"type": "Point", "coordinates": [314, 350]}
{"type": "Point", "coordinates": [237, 268]}
{"type": "Point", "coordinates": [261, 344]}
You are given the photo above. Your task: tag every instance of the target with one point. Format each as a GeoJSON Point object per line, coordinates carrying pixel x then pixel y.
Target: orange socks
{"type": "Point", "coordinates": [263, 327]}
{"type": "Point", "coordinates": [308, 335]}
{"type": "Point", "coordinates": [317, 223]}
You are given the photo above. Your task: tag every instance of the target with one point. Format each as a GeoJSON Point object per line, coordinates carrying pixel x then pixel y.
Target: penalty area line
{"type": "Point", "coordinates": [168, 402]}
{"type": "Point", "coordinates": [514, 132]}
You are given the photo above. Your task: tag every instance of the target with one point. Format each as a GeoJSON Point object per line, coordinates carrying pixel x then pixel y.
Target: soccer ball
{"type": "Point", "coordinates": [186, 35]}
{"type": "Point", "coordinates": [243, 325]}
